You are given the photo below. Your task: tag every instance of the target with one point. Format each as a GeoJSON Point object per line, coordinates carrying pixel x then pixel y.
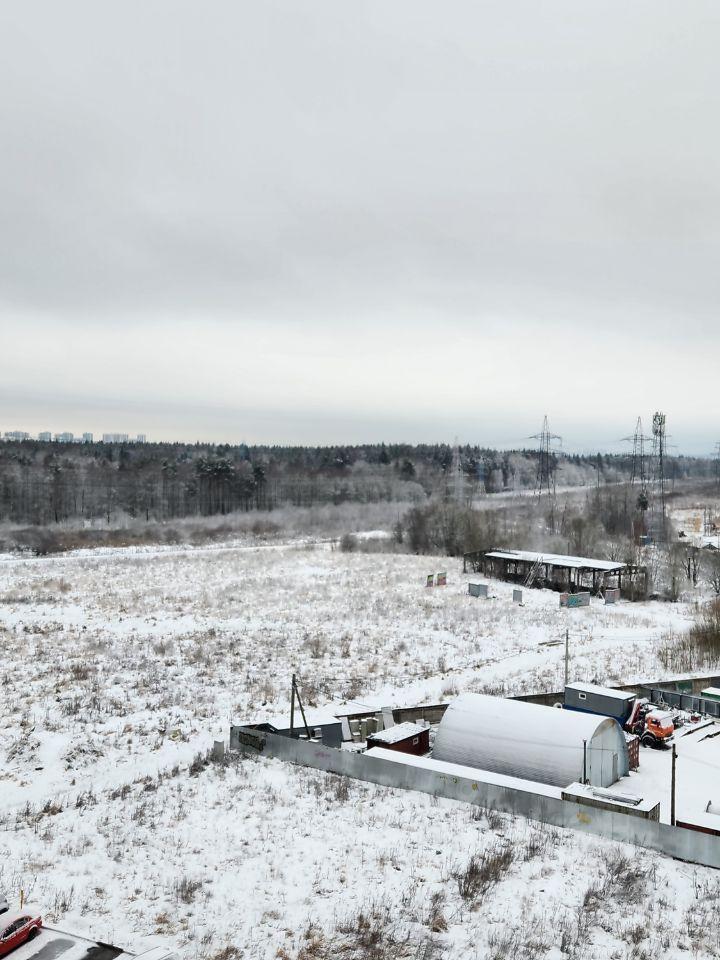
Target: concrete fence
{"type": "Point", "coordinates": [688, 845]}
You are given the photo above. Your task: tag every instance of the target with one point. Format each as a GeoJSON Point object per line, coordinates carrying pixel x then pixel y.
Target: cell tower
{"type": "Point", "coordinates": [545, 476]}
{"type": "Point", "coordinates": [659, 478]}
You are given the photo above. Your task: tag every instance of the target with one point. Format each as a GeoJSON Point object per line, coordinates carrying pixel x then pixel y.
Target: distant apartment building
{"type": "Point", "coordinates": [87, 438]}
{"type": "Point", "coordinates": [45, 436]}
{"type": "Point", "coordinates": [16, 435]}
{"type": "Point", "coordinates": [141, 438]}
{"type": "Point", "coordinates": [115, 438]}
{"type": "Point", "coordinates": [65, 437]}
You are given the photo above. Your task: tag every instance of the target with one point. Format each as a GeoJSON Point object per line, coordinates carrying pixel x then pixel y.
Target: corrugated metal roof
{"type": "Point", "coordinates": [556, 560]}
{"type": "Point", "coordinates": [530, 742]}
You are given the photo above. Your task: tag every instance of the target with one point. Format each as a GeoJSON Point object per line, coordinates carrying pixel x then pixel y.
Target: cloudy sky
{"type": "Point", "coordinates": [321, 222]}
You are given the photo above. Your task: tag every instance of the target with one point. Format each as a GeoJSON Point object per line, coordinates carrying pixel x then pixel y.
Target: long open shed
{"type": "Point", "coordinates": [561, 571]}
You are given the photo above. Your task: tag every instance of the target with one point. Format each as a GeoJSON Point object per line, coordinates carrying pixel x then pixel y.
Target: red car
{"type": "Point", "coordinates": [18, 926]}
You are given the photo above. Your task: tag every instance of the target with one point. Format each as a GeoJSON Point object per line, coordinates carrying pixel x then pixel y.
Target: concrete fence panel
{"type": "Point", "coordinates": [688, 845]}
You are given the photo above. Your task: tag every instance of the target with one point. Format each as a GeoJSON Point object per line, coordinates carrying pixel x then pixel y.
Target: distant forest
{"type": "Point", "coordinates": [51, 483]}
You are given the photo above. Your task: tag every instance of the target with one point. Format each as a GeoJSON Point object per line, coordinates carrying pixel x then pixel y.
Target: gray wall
{"type": "Point", "coordinates": [674, 841]}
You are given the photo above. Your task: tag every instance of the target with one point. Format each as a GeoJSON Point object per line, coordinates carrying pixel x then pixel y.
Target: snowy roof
{"type": "Point", "coordinates": [616, 794]}
{"type": "Point", "coordinates": [556, 559]}
{"type": "Point", "coordinates": [660, 715]}
{"type": "Point", "coordinates": [600, 691]}
{"type": "Point", "coordinates": [529, 741]}
{"type": "Point", "coordinates": [710, 692]}
{"type": "Point", "coordinates": [281, 721]}
{"type": "Point", "coordinates": [470, 773]}
{"type": "Point", "coordinates": [401, 731]}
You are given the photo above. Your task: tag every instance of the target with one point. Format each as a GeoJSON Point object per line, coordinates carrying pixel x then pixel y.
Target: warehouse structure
{"type": "Point", "coordinates": [546, 745]}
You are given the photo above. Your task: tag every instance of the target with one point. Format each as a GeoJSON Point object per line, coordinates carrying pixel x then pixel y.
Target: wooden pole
{"type": "Point", "coordinates": [672, 788]}
{"type": "Point", "coordinates": [584, 761]}
{"type": "Point", "coordinates": [292, 705]}
{"type": "Point", "coordinates": [302, 709]}
{"type": "Point", "coordinates": [567, 653]}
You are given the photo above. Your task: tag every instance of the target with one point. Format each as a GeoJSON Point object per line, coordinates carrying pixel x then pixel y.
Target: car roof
{"type": "Point", "coordinates": [29, 910]}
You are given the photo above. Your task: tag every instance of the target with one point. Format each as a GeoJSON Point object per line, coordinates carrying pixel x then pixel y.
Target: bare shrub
{"type": "Point", "coordinates": [436, 918]}
{"type": "Point", "coordinates": [348, 543]}
{"type": "Point", "coordinates": [483, 871]}
{"type": "Point", "coordinates": [342, 789]}
{"type": "Point", "coordinates": [699, 648]}
{"type": "Point", "coordinates": [185, 889]}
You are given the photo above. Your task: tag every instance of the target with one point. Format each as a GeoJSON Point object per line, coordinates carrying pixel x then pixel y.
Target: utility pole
{"type": "Point", "coordinates": [296, 693]}
{"type": "Point", "coordinates": [567, 653]}
{"type": "Point", "coordinates": [672, 787]}
{"type": "Point", "coordinates": [584, 761]}
{"type": "Point", "coordinates": [292, 705]}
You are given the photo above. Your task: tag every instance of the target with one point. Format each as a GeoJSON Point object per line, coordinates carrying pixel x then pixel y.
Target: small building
{"type": "Point", "coordinates": [322, 725]}
{"type": "Point", "coordinates": [411, 738]}
{"type": "Point", "coordinates": [589, 698]}
{"type": "Point", "coordinates": [531, 742]}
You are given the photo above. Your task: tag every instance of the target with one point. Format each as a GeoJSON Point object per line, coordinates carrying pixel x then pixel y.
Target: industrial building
{"type": "Point", "coordinates": [555, 747]}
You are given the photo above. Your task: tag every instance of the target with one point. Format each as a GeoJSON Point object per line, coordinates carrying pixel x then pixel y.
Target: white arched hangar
{"type": "Point", "coordinates": [531, 742]}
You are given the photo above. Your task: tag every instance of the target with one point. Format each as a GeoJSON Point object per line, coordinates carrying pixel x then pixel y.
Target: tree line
{"type": "Point", "coordinates": [51, 483]}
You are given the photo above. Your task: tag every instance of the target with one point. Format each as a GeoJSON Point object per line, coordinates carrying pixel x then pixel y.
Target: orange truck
{"type": "Point", "coordinates": [637, 715]}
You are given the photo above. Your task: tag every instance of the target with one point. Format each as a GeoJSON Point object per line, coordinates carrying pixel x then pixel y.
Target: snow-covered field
{"type": "Point", "coordinates": [119, 668]}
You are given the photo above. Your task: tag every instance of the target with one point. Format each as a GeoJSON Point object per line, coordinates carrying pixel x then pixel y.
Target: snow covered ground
{"type": "Point", "coordinates": [119, 669]}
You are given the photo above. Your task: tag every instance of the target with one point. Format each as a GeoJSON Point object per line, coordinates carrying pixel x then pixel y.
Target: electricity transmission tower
{"type": "Point", "coordinates": [639, 474]}
{"type": "Point", "coordinates": [545, 475]}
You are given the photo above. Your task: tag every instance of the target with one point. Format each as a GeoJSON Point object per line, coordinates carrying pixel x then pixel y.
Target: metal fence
{"type": "Point", "coordinates": [684, 844]}
{"type": "Point", "coordinates": [682, 701]}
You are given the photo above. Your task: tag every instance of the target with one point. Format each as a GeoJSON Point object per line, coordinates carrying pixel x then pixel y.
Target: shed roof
{"type": "Point", "coordinates": [556, 560]}
{"type": "Point", "coordinates": [401, 731]}
{"type": "Point", "coordinates": [601, 691]}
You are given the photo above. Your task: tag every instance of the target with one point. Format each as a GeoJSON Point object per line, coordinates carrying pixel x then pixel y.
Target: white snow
{"type": "Point", "coordinates": [119, 667]}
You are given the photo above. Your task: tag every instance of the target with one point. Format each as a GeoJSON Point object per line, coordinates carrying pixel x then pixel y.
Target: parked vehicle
{"type": "Point", "coordinates": [4, 905]}
{"type": "Point", "coordinates": [17, 927]}
{"type": "Point", "coordinates": [637, 715]}
{"type": "Point", "coordinates": [654, 727]}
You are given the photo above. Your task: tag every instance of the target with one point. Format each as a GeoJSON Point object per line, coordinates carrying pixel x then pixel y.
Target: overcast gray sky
{"type": "Point", "coordinates": [324, 222]}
